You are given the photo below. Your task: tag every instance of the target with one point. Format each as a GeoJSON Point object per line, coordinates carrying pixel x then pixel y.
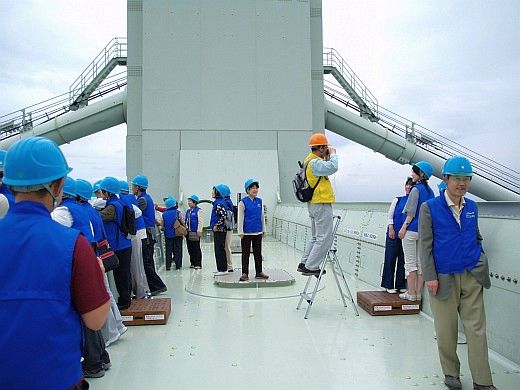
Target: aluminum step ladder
{"type": "Point", "coordinates": [332, 259]}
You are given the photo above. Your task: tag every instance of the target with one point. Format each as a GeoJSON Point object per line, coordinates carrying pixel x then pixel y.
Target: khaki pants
{"type": "Point", "coordinates": [229, 255]}
{"type": "Point", "coordinates": [467, 296]}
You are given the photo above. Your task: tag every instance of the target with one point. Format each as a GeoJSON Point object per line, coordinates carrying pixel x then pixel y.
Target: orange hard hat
{"type": "Point", "coordinates": [318, 139]}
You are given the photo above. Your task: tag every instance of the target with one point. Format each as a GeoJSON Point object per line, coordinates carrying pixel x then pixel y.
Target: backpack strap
{"type": "Point", "coordinates": [305, 170]}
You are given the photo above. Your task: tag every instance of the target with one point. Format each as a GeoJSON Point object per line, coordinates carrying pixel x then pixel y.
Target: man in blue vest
{"type": "Point", "coordinates": [456, 272]}
{"type": "Point", "coordinates": [50, 279]}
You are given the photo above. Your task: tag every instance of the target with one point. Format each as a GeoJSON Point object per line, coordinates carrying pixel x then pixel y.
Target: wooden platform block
{"type": "Point", "coordinates": [381, 303]}
{"type": "Point", "coordinates": [147, 312]}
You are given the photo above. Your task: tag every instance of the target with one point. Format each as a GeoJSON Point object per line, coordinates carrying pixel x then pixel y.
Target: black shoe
{"type": "Point", "coordinates": [452, 382]}
{"type": "Point", "coordinates": [301, 267]}
{"type": "Point", "coordinates": [167, 269]}
{"type": "Point", "coordinates": [230, 270]}
{"type": "Point", "coordinates": [94, 373]}
{"type": "Point", "coordinates": [107, 365]}
{"type": "Point", "coordinates": [161, 290]}
{"type": "Point", "coordinates": [316, 272]}
{"type": "Point", "coordinates": [483, 387]}
{"type": "Point", "coordinates": [123, 306]}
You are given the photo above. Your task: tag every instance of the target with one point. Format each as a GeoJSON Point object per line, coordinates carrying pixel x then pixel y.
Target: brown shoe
{"type": "Point", "coordinates": [244, 278]}
{"type": "Point", "coordinates": [261, 275]}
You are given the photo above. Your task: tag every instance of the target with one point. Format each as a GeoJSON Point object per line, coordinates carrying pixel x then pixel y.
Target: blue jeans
{"type": "Point", "coordinates": [393, 253]}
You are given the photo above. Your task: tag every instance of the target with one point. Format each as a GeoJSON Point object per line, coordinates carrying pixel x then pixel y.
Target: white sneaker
{"type": "Point", "coordinates": [221, 273]}
{"type": "Point", "coordinates": [391, 291]}
{"type": "Point", "coordinates": [403, 290]}
{"type": "Point", "coordinates": [407, 296]}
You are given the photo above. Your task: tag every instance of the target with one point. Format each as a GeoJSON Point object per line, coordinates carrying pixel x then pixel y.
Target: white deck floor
{"type": "Point", "coordinates": [247, 338]}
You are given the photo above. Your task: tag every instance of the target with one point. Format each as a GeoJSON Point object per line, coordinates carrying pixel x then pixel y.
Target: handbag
{"type": "Point", "coordinates": [193, 236]}
{"type": "Point", "coordinates": [180, 229]}
{"type": "Point", "coordinates": [107, 255]}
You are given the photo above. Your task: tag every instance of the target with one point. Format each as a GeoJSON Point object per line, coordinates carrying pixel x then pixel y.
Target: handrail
{"type": "Point", "coordinates": [116, 48]}
{"type": "Point", "coordinates": [332, 58]}
{"type": "Point", "coordinates": [434, 143]}
{"type": "Point", "coordinates": [25, 119]}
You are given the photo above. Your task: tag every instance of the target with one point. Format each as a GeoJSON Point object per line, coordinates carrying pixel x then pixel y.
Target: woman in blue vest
{"type": "Point", "coordinates": [173, 243]}
{"type": "Point", "coordinates": [194, 220]}
{"type": "Point", "coordinates": [456, 271]}
{"type": "Point", "coordinates": [229, 235]}
{"type": "Point", "coordinates": [145, 203]}
{"type": "Point", "coordinates": [408, 233]}
{"type": "Point", "coordinates": [140, 286]}
{"type": "Point", "coordinates": [394, 247]}
{"type": "Point", "coordinates": [217, 224]}
{"type": "Point", "coordinates": [251, 229]}
{"type": "Point", "coordinates": [48, 274]}
{"type": "Point", "coordinates": [70, 213]}
{"type": "Point", "coordinates": [112, 216]}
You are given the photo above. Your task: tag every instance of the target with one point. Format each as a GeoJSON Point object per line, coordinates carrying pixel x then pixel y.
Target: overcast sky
{"type": "Point", "coordinates": [451, 66]}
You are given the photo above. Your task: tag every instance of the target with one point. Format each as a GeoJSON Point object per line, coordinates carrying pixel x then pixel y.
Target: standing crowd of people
{"type": "Point", "coordinates": [48, 216]}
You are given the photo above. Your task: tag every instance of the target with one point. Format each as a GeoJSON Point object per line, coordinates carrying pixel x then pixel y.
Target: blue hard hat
{"type": "Point", "coordinates": [425, 167]}
{"type": "Point", "coordinates": [140, 181]}
{"type": "Point", "coordinates": [221, 190]}
{"type": "Point", "coordinates": [249, 183]}
{"type": "Point", "coordinates": [457, 166]}
{"type": "Point", "coordinates": [95, 186]}
{"type": "Point", "coordinates": [83, 189]}
{"type": "Point", "coordinates": [69, 188]}
{"type": "Point", "coordinates": [194, 198]}
{"type": "Point", "coordinates": [123, 187]}
{"type": "Point", "coordinates": [34, 160]}
{"type": "Point", "coordinates": [2, 159]}
{"type": "Point", "coordinates": [226, 191]}
{"type": "Point", "coordinates": [442, 186]}
{"type": "Point", "coordinates": [110, 184]}
{"type": "Point", "coordinates": [170, 202]}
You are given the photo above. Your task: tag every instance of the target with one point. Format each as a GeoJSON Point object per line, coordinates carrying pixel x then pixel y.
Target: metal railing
{"type": "Point", "coordinates": [433, 142]}
{"type": "Point", "coordinates": [116, 48]}
{"type": "Point", "coordinates": [25, 119]}
{"type": "Point", "coordinates": [332, 58]}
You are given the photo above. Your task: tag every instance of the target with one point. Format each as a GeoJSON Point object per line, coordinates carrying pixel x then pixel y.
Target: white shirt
{"type": "Point", "coordinates": [4, 206]}
{"type": "Point", "coordinates": [455, 209]}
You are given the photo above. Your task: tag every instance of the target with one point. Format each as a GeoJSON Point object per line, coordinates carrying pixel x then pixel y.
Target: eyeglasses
{"type": "Point", "coordinates": [461, 179]}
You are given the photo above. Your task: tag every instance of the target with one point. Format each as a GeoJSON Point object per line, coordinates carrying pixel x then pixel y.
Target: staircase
{"type": "Point", "coordinates": [336, 66]}
{"type": "Point", "coordinates": [114, 54]}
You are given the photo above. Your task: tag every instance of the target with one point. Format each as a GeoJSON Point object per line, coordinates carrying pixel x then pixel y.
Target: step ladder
{"type": "Point", "coordinates": [332, 259]}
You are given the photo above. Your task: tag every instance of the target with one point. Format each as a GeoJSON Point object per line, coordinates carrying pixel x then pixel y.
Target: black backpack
{"type": "Point", "coordinates": [302, 188]}
{"type": "Point", "coordinates": [128, 221]}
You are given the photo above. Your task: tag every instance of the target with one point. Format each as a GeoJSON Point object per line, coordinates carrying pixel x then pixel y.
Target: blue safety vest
{"type": "Point", "coordinates": [149, 212]}
{"type": "Point", "coordinates": [214, 217]}
{"type": "Point", "coordinates": [399, 217]}
{"type": "Point", "coordinates": [252, 215]}
{"type": "Point", "coordinates": [129, 200]}
{"type": "Point", "coordinates": [40, 338]}
{"type": "Point", "coordinates": [169, 217]}
{"type": "Point", "coordinates": [192, 219]}
{"type": "Point", "coordinates": [425, 193]}
{"type": "Point", "coordinates": [96, 221]}
{"type": "Point", "coordinates": [80, 218]}
{"type": "Point", "coordinates": [455, 248]}
{"type": "Point", "coordinates": [116, 238]}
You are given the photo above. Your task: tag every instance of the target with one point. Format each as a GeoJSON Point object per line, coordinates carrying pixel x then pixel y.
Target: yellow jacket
{"type": "Point", "coordinates": [323, 192]}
